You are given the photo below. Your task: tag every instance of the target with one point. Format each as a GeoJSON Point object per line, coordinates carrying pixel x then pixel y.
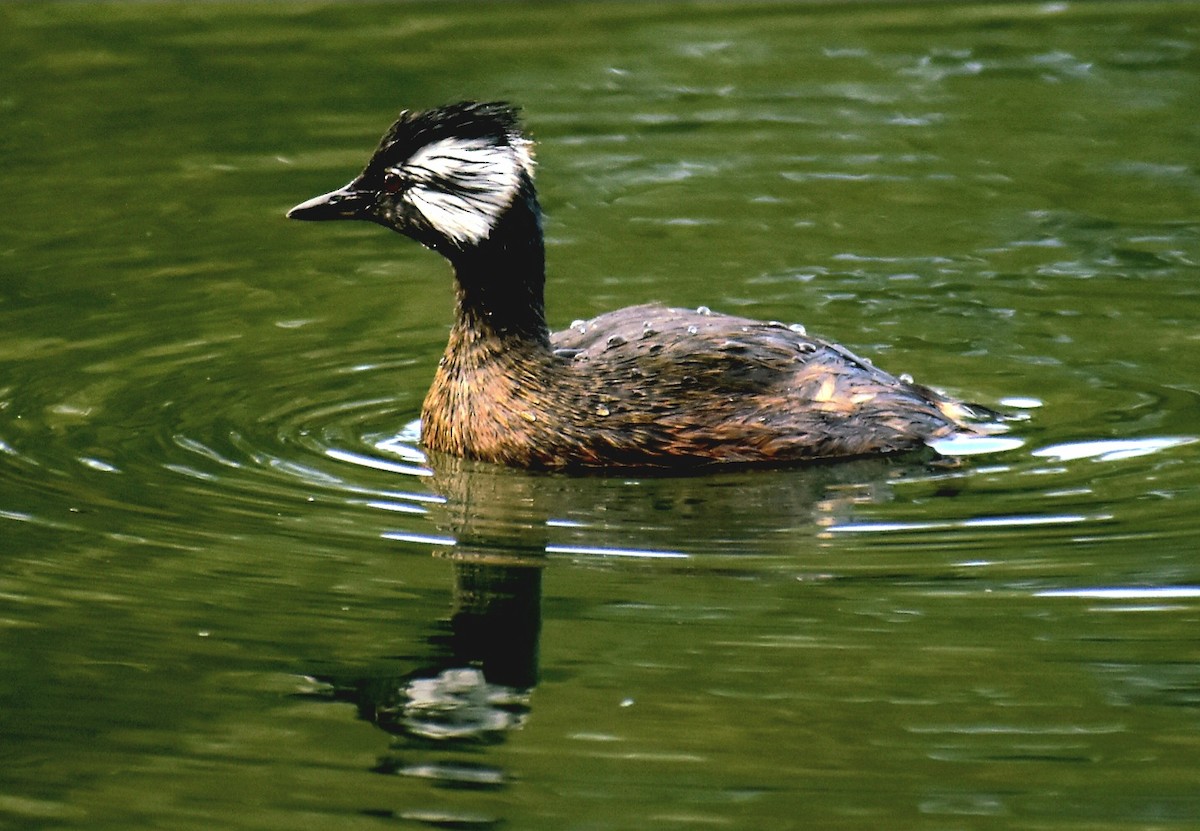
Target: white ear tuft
{"type": "Point", "coordinates": [463, 186]}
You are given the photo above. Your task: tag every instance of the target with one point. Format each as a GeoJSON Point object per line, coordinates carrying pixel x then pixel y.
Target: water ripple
{"type": "Point", "coordinates": [975, 522]}
{"type": "Point", "coordinates": [1126, 593]}
{"type": "Point", "coordinates": [1111, 450]}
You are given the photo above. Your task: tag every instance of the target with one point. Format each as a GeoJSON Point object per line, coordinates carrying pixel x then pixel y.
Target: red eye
{"type": "Point", "coordinates": [393, 182]}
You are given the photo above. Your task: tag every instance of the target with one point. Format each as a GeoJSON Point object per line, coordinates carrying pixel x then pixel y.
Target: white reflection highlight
{"type": "Point", "coordinates": [1111, 450]}
{"type": "Point", "coordinates": [976, 522]}
{"type": "Point", "coordinates": [422, 539]}
{"type": "Point", "coordinates": [616, 552]}
{"type": "Point", "coordinates": [377, 464]}
{"type": "Point", "coordinates": [975, 445]}
{"type": "Point", "coordinates": [575, 550]}
{"type": "Point", "coordinates": [1125, 593]}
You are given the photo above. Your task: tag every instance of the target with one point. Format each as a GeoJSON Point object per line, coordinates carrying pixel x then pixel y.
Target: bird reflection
{"type": "Point", "coordinates": [481, 688]}
{"type": "Point", "coordinates": [472, 682]}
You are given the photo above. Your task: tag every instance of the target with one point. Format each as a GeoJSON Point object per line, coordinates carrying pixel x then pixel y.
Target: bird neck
{"type": "Point", "coordinates": [500, 282]}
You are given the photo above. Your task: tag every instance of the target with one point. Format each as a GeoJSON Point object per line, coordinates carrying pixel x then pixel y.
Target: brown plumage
{"type": "Point", "coordinates": [641, 387]}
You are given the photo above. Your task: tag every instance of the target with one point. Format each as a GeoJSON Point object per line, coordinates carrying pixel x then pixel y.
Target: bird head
{"type": "Point", "coordinates": [444, 177]}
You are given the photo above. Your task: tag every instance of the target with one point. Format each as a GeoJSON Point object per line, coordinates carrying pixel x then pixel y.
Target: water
{"type": "Point", "coordinates": [234, 593]}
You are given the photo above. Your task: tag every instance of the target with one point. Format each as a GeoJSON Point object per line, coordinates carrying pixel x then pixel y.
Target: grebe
{"type": "Point", "coordinates": [642, 387]}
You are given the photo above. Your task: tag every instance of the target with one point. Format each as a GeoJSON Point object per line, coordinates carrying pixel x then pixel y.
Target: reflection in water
{"type": "Point", "coordinates": [476, 680]}
{"type": "Point", "coordinates": [483, 662]}
{"type": "Point", "coordinates": [1112, 450]}
{"type": "Point", "coordinates": [478, 685]}
{"type": "Point", "coordinates": [497, 618]}
{"type": "Point", "coordinates": [471, 682]}
{"type": "Point", "coordinates": [521, 514]}
{"type": "Point", "coordinates": [473, 688]}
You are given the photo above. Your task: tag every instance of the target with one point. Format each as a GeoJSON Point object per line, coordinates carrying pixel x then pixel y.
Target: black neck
{"type": "Point", "coordinates": [501, 280]}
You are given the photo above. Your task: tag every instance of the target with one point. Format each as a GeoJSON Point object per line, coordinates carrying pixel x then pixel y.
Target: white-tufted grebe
{"type": "Point", "coordinates": [641, 387]}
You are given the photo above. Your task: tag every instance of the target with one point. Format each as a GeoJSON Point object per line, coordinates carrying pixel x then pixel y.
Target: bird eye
{"type": "Point", "coordinates": [393, 182]}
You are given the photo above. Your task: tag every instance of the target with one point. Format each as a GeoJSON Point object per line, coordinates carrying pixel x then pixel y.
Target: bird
{"type": "Point", "coordinates": [646, 387]}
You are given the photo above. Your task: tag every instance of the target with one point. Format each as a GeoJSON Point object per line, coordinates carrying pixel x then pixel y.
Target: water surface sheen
{"type": "Point", "coordinates": [235, 594]}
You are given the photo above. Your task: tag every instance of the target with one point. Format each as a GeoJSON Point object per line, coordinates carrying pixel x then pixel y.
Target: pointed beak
{"type": "Point", "coordinates": [344, 203]}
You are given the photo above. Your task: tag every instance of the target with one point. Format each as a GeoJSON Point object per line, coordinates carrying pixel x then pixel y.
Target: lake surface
{"type": "Point", "coordinates": [235, 594]}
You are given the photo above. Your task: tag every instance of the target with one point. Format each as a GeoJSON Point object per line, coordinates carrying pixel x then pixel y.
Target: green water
{"type": "Point", "coordinates": [233, 593]}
